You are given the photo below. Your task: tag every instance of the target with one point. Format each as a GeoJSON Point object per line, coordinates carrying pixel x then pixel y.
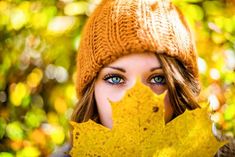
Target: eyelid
{"type": "Point", "coordinates": [156, 74]}
{"type": "Point", "coordinates": [109, 75]}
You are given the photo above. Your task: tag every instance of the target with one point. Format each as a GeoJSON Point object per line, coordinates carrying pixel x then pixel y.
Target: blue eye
{"type": "Point", "coordinates": [158, 80]}
{"type": "Point", "coordinates": [114, 79]}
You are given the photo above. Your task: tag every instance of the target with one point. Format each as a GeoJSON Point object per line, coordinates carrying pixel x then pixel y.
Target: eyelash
{"type": "Point", "coordinates": [108, 76]}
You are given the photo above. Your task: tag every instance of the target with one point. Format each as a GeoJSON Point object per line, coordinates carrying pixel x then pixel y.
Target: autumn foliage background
{"type": "Point", "coordinates": [38, 43]}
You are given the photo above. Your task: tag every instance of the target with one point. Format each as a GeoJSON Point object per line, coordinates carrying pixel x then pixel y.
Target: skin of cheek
{"type": "Point", "coordinates": [104, 93]}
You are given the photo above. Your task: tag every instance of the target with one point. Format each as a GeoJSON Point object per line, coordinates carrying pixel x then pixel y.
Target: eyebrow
{"type": "Point", "coordinates": [116, 68]}
{"type": "Point", "coordinates": [123, 70]}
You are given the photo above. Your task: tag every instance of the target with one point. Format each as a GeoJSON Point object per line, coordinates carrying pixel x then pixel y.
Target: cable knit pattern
{"type": "Point", "coordinates": [121, 27]}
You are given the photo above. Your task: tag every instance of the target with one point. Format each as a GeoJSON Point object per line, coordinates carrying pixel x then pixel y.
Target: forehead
{"type": "Point", "coordinates": [138, 60]}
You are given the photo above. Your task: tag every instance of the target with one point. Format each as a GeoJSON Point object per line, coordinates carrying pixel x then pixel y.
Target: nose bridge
{"type": "Point", "coordinates": [135, 79]}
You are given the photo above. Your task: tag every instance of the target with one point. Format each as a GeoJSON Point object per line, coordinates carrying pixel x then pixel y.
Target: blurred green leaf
{"type": "Point", "coordinates": [229, 113]}
{"type": "Point", "coordinates": [41, 19]}
{"type": "Point", "coordinates": [6, 154]}
{"type": "Point", "coordinates": [2, 128]}
{"type": "Point", "coordinates": [14, 131]}
{"type": "Point", "coordinates": [35, 117]}
{"type": "Point", "coordinates": [194, 12]}
{"type": "Point", "coordinates": [213, 7]}
{"type": "Point", "coordinates": [26, 101]}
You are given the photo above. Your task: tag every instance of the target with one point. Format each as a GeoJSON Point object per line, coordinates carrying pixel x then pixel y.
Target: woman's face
{"type": "Point", "coordinates": [116, 78]}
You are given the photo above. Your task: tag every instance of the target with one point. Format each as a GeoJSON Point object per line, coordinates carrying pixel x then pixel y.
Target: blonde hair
{"type": "Point", "coordinates": [183, 89]}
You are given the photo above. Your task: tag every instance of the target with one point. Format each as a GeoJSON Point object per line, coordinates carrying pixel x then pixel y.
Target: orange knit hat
{"type": "Point", "coordinates": [120, 27]}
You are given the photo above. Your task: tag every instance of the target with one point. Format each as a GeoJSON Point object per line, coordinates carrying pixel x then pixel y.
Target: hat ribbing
{"type": "Point", "coordinates": [120, 27]}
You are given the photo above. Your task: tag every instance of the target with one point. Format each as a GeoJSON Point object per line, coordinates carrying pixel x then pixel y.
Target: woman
{"type": "Point", "coordinates": [124, 34]}
{"type": "Point", "coordinates": [126, 39]}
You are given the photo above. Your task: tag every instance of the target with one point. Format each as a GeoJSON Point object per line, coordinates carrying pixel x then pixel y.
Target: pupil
{"type": "Point", "coordinates": [158, 79]}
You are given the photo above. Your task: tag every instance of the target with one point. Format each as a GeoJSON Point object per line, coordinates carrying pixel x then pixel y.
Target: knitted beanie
{"type": "Point", "coordinates": [120, 27]}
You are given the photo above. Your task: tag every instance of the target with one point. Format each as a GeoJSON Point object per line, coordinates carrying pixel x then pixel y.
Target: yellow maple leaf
{"type": "Point", "coordinates": [139, 130]}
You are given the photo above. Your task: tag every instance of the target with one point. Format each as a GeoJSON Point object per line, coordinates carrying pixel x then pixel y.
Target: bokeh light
{"type": "Point", "coordinates": [39, 40]}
